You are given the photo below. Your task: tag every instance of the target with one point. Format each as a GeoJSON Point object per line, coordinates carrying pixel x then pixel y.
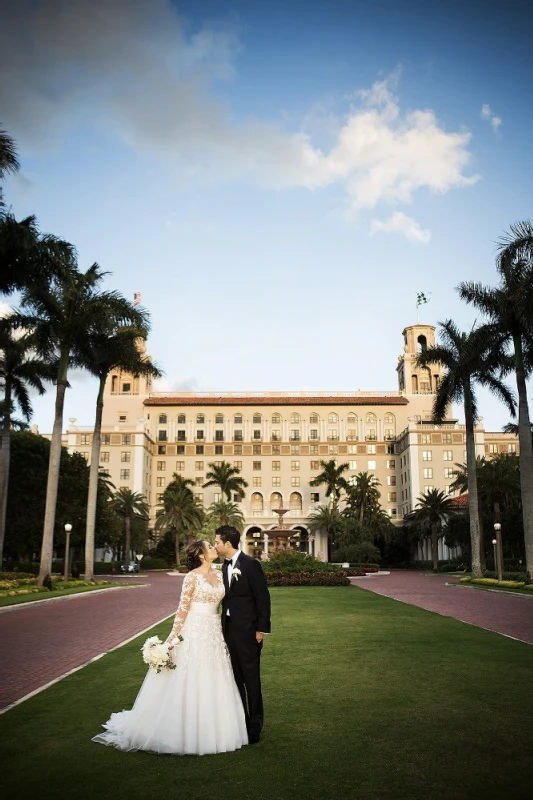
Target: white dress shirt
{"type": "Point", "coordinates": [231, 566]}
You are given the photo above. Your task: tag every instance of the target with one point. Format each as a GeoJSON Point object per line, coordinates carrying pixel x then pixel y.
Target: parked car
{"type": "Point", "coordinates": [133, 566]}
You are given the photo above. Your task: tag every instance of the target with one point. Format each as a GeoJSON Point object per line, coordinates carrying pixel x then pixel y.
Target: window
{"type": "Point", "coordinates": [237, 435]}
{"type": "Point", "coordinates": [295, 449]}
{"type": "Point", "coordinates": [276, 481]}
{"type": "Point", "coordinates": [448, 472]}
{"type": "Point", "coordinates": [295, 466]}
{"type": "Point", "coordinates": [427, 455]}
{"type": "Point", "coordinates": [446, 438]}
{"type": "Point", "coordinates": [256, 465]}
{"type": "Point", "coordinates": [313, 449]}
{"type": "Point", "coordinates": [159, 497]}
{"type": "Point", "coordinates": [391, 497]}
{"type": "Point", "coordinates": [370, 435]}
{"type": "Point", "coordinates": [237, 419]}
{"type": "Point", "coordinates": [388, 419]}
{"type": "Point", "coordinates": [122, 418]}
{"type": "Point", "coordinates": [217, 464]}
{"type": "Point", "coordinates": [199, 466]}
{"type": "Point", "coordinates": [333, 449]}
{"type": "Point", "coordinates": [256, 450]}
{"type": "Point", "coordinates": [352, 418]}
{"type": "Point", "coordinates": [180, 466]}
{"type": "Point", "coordinates": [276, 419]}
{"type": "Point", "coordinates": [391, 480]}
{"type": "Point", "coordinates": [162, 449]}
{"type": "Point", "coordinates": [315, 497]}
{"type": "Point", "coordinates": [106, 438]}
{"type": "Point", "coordinates": [160, 482]}
{"type": "Point", "coordinates": [180, 436]}
{"type": "Point", "coordinates": [161, 466]}
{"type": "Point", "coordinates": [313, 419]}
{"type": "Point", "coordinates": [295, 481]}
{"type": "Point", "coordinates": [126, 438]}
{"type": "Point", "coordinates": [257, 419]}
{"type": "Point", "coordinates": [200, 435]}
{"type": "Point", "coordinates": [162, 419]}
{"type": "Point", "coordinates": [511, 448]}
{"type": "Point", "coordinates": [295, 419]}
{"type": "Point", "coordinates": [237, 498]}
{"type": "Point", "coordinates": [351, 435]}
{"type": "Point", "coordinates": [200, 419]}
{"type": "Point", "coordinates": [426, 438]}
{"type": "Point", "coordinates": [104, 456]}
{"type": "Point", "coordinates": [447, 455]}
{"type": "Point", "coordinates": [125, 456]}
{"type": "Point", "coordinates": [352, 464]}
{"type": "Point", "coordinates": [313, 434]}
{"type": "Point", "coordinates": [389, 434]}
{"type": "Point", "coordinates": [392, 512]}
{"type": "Point", "coordinates": [162, 436]}
{"type": "Point", "coordinates": [276, 466]}
{"type": "Point", "coordinates": [126, 388]}
{"type": "Point", "coordinates": [257, 435]}
{"type": "Point", "coordinates": [391, 463]}
{"type": "Point", "coordinates": [315, 464]}
{"type": "Point", "coordinates": [124, 474]}
{"type": "Point", "coordinates": [219, 436]}
{"type": "Point", "coordinates": [295, 436]}
{"type": "Point", "coordinates": [218, 497]}
{"type": "Point", "coordinates": [371, 449]}
{"type": "Point", "coordinates": [390, 449]}
{"type": "Point", "coordinates": [333, 419]}
{"type": "Point", "coordinates": [219, 450]}
{"type": "Point", "coordinates": [180, 450]}
{"type": "Point", "coordinates": [275, 436]}
{"type": "Point", "coordinates": [428, 489]}
{"type": "Point", "coordinates": [199, 496]}
{"type": "Point", "coordinates": [370, 419]}
{"type": "Point", "coordinates": [238, 450]}
{"type": "Point", "coordinates": [237, 465]}
{"type": "Point", "coordinates": [199, 479]}
{"type": "Point", "coordinates": [84, 438]}
{"type": "Point", "coordinates": [352, 449]}
{"type": "Point", "coordinates": [427, 473]}
{"type": "Point", "coordinates": [333, 434]}
{"type": "Point", "coordinates": [181, 419]}
{"type": "Point", "coordinates": [256, 481]}
{"type": "Point", "coordinates": [85, 456]}
{"type": "Point", "coordinates": [199, 449]}
{"type": "Point", "coordinates": [447, 490]}
{"type": "Point", "coordinates": [371, 464]}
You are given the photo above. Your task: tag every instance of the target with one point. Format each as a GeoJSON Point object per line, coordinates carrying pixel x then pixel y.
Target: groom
{"type": "Point", "coordinates": [245, 620]}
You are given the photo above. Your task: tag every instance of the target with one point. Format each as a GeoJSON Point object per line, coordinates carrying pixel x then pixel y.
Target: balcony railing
{"type": "Point", "coordinates": [352, 438]}
{"type": "Point", "coordinates": [294, 438]}
{"type": "Point", "coordinates": [237, 439]}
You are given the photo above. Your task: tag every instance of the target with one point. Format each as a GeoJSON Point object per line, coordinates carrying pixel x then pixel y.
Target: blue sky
{"type": "Point", "coordinates": [278, 179]}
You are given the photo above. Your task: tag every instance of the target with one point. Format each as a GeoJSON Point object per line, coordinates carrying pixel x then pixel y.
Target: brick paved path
{"type": "Point", "coordinates": [504, 613]}
{"type": "Point", "coordinates": [64, 634]}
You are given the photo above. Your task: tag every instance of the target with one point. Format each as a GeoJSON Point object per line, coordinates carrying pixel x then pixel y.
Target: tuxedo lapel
{"type": "Point", "coordinates": [225, 576]}
{"type": "Point", "coordinates": [237, 565]}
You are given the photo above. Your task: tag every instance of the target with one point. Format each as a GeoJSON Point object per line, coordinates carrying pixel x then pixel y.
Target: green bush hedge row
{"type": "Point", "coordinates": [337, 578]}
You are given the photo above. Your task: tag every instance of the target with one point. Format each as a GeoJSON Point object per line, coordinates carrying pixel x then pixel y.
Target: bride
{"type": "Point", "coordinates": [196, 707]}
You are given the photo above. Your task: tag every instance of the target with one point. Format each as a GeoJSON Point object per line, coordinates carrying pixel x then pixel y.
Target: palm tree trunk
{"type": "Point", "coordinates": [435, 545]}
{"type": "Point", "coordinates": [5, 458]}
{"type": "Point", "coordinates": [53, 472]}
{"type": "Point", "coordinates": [177, 546]}
{"type": "Point", "coordinates": [526, 453]}
{"type": "Point", "coordinates": [93, 484]}
{"type": "Point", "coordinates": [473, 503]}
{"type": "Point", "coordinates": [482, 555]}
{"type": "Point", "coordinates": [127, 546]}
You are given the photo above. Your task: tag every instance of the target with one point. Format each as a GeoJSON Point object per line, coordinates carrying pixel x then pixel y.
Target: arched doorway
{"type": "Point", "coordinates": [301, 542]}
{"type": "Point", "coordinates": [254, 541]}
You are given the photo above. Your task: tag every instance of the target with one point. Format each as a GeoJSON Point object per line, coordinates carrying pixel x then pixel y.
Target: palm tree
{"type": "Point", "coordinates": [8, 156]}
{"type": "Point", "coordinates": [326, 518]}
{"type": "Point", "coordinates": [227, 478]}
{"type": "Point", "coordinates": [179, 512]}
{"type": "Point", "coordinates": [225, 513]}
{"type": "Point", "coordinates": [509, 308]}
{"type": "Point", "coordinates": [468, 358]}
{"type": "Point", "coordinates": [19, 369]}
{"type": "Point", "coordinates": [113, 345]}
{"type": "Point", "coordinates": [501, 480]}
{"type": "Point", "coordinates": [460, 484]}
{"type": "Point", "coordinates": [432, 511]}
{"type": "Point", "coordinates": [332, 477]}
{"type": "Point", "coordinates": [363, 494]}
{"type": "Point", "coordinates": [179, 480]}
{"type": "Point", "coordinates": [129, 505]}
{"type": "Point", "coordinates": [61, 314]}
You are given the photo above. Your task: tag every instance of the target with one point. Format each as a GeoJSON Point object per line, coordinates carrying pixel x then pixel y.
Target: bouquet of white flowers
{"type": "Point", "coordinates": [156, 653]}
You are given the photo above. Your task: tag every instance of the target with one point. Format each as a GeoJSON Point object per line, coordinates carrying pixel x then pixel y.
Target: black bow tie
{"type": "Point", "coordinates": [228, 561]}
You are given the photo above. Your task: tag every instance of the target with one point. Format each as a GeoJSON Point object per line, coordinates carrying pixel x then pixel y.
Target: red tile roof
{"type": "Point", "coordinates": [329, 400]}
{"type": "Point", "coordinates": [461, 501]}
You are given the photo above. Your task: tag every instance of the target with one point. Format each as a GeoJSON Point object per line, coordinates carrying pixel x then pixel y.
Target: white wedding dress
{"type": "Point", "coordinates": [195, 708]}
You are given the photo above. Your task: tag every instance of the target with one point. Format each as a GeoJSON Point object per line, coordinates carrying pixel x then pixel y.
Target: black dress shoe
{"type": "Point", "coordinates": [253, 738]}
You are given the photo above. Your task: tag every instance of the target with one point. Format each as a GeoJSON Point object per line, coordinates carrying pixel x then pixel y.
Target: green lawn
{"type": "Point", "coordinates": [365, 698]}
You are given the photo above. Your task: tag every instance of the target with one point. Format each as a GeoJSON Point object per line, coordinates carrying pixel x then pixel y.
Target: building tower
{"type": "Point", "coordinates": [413, 379]}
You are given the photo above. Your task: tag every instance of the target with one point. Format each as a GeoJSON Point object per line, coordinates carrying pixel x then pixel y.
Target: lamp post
{"type": "Point", "coordinates": [68, 528]}
{"type": "Point", "coordinates": [498, 532]}
{"type": "Point", "coordinates": [139, 558]}
{"type": "Point", "coordinates": [495, 547]}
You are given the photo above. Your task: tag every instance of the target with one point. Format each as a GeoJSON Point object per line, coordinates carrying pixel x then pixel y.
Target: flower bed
{"type": "Point", "coordinates": [493, 583]}
{"type": "Point", "coordinates": [17, 584]}
{"type": "Point", "coordinates": [337, 578]}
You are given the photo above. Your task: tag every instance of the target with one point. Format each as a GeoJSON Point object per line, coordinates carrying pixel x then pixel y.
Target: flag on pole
{"type": "Point", "coordinates": [137, 298]}
{"type": "Point", "coordinates": [421, 298]}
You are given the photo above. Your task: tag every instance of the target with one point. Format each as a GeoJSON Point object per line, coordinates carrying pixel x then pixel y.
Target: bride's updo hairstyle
{"type": "Point", "coordinates": [193, 553]}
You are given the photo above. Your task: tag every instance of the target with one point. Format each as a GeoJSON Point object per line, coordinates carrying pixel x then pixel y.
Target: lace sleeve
{"type": "Point", "coordinates": [187, 592]}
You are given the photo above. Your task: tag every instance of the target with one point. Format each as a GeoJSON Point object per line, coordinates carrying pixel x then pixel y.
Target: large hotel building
{"type": "Point", "coordinates": [277, 440]}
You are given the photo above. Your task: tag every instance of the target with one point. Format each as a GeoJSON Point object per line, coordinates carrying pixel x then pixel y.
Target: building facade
{"type": "Point", "coordinates": [277, 440]}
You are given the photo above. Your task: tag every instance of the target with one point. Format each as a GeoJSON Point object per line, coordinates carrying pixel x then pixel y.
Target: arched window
{"type": "Point", "coordinates": [219, 419]}
{"type": "Point", "coordinates": [295, 419]}
{"type": "Point", "coordinates": [313, 419]}
{"type": "Point", "coordinates": [276, 500]}
{"type": "Point", "coordinates": [276, 419]}
{"type": "Point", "coordinates": [389, 419]}
{"type": "Point", "coordinates": [370, 419]}
{"type": "Point", "coordinates": [257, 419]}
{"type": "Point", "coordinates": [295, 503]}
{"type": "Point", "coordinates": [200, 419]}
{"type": "Point", "coordinates": [181, 419]}
{"type": "Point", "coordinates": [422, 343]}
{"type": "Point", "coordinates": [162, 419]}
{"type": "Point", "coordinates": [370, 431]}
{"type": "Point", "coordinates": [352, 418]}
{"type": "Point", "coordinates": [237, 419]}
{"type": "Point", "coordinates": [256, 501]}
{"type": "Point", "coordinates": [333, 419]}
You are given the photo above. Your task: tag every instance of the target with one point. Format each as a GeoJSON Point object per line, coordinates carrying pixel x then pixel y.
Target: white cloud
{"type": "Point", "coordinates": [5, 310]}
{"type": "Point", "coordinates": [134, 69]}
{"type": "Point", "coordinates": [487, 113]}
{"type": "Point", "coordinates": [404, 225]}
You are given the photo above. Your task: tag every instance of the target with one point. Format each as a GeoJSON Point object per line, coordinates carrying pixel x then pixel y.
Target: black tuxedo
{"type": "Point", "coordinates": [248, 601]}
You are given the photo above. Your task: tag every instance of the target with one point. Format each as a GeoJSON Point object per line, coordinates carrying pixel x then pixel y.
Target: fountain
{"type": "Point", "coordinates": [280, 534]}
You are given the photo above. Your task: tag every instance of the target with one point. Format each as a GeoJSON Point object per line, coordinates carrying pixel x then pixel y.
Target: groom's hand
{"type": "Point", "coordinates": [259, 637]}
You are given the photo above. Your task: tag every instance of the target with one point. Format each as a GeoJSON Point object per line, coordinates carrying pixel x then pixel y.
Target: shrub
{"type": "Point", "coordinates": [326, 578]}
{"type": "Point", "coordinates": [507, 576]}
{"type": "Point", "coordinates": [155, 563]}
{"type": "Point", "coordinates": [291, 561]}
{"type": "Point", "coordinates": [364, 552]}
